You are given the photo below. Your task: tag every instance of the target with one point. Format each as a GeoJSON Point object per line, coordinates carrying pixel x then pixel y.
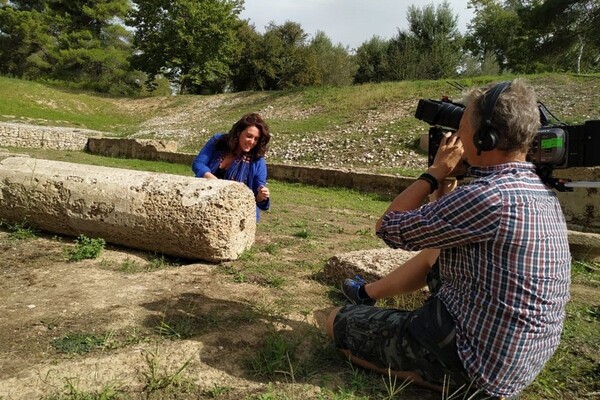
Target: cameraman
{"type": "Point", "coordinates": [494, 254]}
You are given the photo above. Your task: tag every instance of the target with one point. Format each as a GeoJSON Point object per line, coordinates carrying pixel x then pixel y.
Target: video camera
{"type": "Point", "coordinates": [556, 146]}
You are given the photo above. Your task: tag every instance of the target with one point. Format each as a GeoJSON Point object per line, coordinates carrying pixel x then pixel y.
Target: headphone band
{"type": "Point", "coordinates": [490, 100]}
{"type": "Point", "coordinates": [486, 138]}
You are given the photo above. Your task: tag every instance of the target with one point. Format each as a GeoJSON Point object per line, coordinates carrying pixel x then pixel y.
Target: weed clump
{"type": "Point", "coordinates": [20, 231]}
{"type": "Point", "coordinates": [79, 343]}
{"type": "Point", "coordinates": [86, 248]}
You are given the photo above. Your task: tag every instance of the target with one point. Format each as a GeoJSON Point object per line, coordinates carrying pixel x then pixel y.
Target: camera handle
{"type": "Point", "coordinates": [566, 185]}
{"type": "Point", "coordinates": [562, 185]}
{"type": "Point", "coordinates": [584, 184]}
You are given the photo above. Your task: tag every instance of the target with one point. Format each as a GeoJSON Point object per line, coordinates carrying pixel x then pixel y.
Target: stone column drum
{"type": "Point", "coordinates": [211, 220]}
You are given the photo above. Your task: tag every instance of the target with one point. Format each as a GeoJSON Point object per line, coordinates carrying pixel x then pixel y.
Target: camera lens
{"type": "Point", "coordinates": [449, 115]}
{"type": "Point", "coordinates": [440, 113]}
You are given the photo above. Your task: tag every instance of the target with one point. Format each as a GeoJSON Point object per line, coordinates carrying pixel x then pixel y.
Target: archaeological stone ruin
{"type": "Point", "coordinates": [187, 217]}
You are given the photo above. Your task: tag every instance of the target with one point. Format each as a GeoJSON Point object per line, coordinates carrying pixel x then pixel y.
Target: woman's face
{"type": "Point", "coordinates": [248, 139]}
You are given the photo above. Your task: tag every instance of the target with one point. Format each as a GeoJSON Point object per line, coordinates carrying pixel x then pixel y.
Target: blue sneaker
{"type": "Point", "coordinates": [350, 289]}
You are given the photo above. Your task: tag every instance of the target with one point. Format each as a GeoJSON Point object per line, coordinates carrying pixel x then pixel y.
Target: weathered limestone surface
{"type": "Point", "coordinates": [581, 206]}
{"type": "Point", "coordinates": [584, 246]}
{"type": "Point", "coordinates": [369, 264]}
{"type": "Point", "coordinates": [212, 220]}
{"type": "Point", "coordinates": [145, 149]}
{"type": "Point", "coordinates": [49, 137]}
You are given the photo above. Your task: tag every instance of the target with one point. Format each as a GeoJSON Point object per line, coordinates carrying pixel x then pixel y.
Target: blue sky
{"type": "Point", "coordinates": [349, 22]}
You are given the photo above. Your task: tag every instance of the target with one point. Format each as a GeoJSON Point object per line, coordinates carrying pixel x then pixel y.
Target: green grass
{"type": "Point", "coordinates": [217, 391]}
{"type": "Point", "coordinates": [41, 104]}
{"type": "Point", "coordinates": [80, 157]}
{"type": "Point", "coordinates": [586, 273]}
{"type": "Point", "coordinates": [72, 391]}
{"type": "Point", "coordinates": [574, 370]}
{"type": "Point", "coordinates": [159, 379]}
{"type": "Point", "coordinates": [275, 356]}
{"type": "Point", "coordinates": [130, 266]}
{"type": "Point", "coordinates": [79, 343]}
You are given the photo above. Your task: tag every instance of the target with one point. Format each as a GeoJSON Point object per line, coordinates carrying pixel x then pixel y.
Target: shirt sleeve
{"type": "Point", "coordinates": [469, 214]}
{"type": "Point", "coordinates": [259, 178]}
{"type": "Point", "coordinates": [202, 162]}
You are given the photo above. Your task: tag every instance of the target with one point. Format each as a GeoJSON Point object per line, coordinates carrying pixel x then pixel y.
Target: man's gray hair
{"type": "Point", "coordinates": [516, 116]}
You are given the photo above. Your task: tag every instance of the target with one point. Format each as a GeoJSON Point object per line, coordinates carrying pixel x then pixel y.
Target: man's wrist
{"type": "Point", "coordinates": [434, 184]}
{"type": "Point", "coordinates": [438, 173]}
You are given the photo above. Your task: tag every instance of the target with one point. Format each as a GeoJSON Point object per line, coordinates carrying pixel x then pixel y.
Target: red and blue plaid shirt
{"type": "Point", "coordinates": [505, 270]}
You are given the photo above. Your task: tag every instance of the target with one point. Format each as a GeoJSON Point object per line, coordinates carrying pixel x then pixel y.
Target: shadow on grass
{"type": "Point", "coordinates": [232, 332]}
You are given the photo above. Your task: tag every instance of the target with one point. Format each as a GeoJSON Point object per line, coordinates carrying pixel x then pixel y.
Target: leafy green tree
{"type": "Point", "coordinates": [568, 33]}
{"type": "Point", "coordinates": [371, 58]}
{"type": "Point", "coordinates": [81, 41]}
{"type": "Point", "coordinates": [283, 58]}
{"type": "Point", "coordinates": [286, 48]}
{"type": "Point", "coordinates": [430, 49]}
{"type": "Point", "coordinates": [27, 46]}
{"type": "Point", "coordinates": [480, 66]}
{"type": "Point", "coordinates": [249, 71]}
{"type": "Point", "coordinates": [434, 36]}
{"type": "Point", "coordinates": [334, 66]}
{"type": "Point", "coordinates": [404, 59]}
{"type": "Point", "coordinates": [27, 5]}
{"type": "Point", "coordinates": [498, 28]}
{"type": "Point", "coordinates": [536, 36]}
{"type": "Point", "coordinates": [93, 47]}
{"type": "Point", "coordinates": [257, 66]}
{"type": "Point", "coordinates": [191, 42]}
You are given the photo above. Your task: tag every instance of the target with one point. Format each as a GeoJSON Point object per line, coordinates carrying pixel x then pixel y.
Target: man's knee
{"type": "Point", "coordinates": [330, 321]}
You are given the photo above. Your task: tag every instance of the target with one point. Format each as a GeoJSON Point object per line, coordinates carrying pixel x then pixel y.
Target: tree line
{"type": "Point", "coordinates": [203, 46]}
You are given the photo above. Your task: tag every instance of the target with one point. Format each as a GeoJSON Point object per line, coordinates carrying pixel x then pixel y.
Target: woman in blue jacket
{"type": "Point", "coordinates": [239, 156]}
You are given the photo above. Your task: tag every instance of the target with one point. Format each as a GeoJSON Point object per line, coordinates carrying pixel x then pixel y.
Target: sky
{"type": "Point", "coordinates": [349, 22]}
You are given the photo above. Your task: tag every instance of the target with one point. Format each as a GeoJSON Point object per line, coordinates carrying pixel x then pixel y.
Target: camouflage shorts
{"type": "Point", "coordinates": [422, 341]}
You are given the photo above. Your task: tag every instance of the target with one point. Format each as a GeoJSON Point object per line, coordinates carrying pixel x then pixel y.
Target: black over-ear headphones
{"type": "Point", "coordinates": [486, 138]}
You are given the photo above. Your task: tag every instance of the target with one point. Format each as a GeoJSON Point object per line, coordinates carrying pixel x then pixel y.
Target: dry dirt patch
{"type": "Point", "coordinates": [44, 298]}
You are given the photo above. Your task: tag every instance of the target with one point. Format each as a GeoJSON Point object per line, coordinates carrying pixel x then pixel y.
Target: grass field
{"type": "Point", "coordinates": [283, 270]}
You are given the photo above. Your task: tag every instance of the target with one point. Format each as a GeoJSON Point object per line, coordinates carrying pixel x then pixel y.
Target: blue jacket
{"type": "Point", "coordinates": [252, 173]}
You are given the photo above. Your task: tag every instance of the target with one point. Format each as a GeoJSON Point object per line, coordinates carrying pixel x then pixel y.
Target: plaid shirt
{"type": "Point", "coordinates": [505, 268]}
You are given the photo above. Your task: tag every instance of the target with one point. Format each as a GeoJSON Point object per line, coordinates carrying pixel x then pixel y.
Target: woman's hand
{"type": "Point", "coordinates": [263, 194]}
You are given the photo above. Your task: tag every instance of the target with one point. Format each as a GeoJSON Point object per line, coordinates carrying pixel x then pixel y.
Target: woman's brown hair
{"type": "Point", "coordinates": [229, 142]}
